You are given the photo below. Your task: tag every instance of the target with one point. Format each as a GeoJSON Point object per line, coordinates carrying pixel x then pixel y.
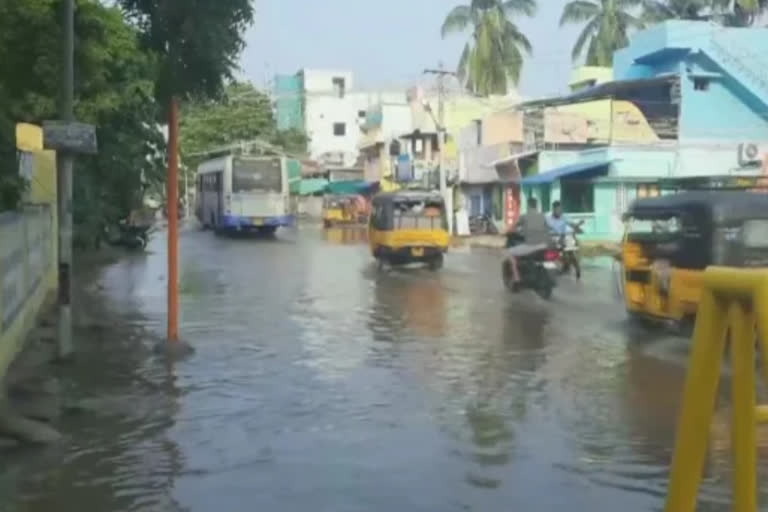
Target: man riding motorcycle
{"type": "Point", "coordinates": [562, 228]}
{"type": "Point", "coordinates": [535, 228]}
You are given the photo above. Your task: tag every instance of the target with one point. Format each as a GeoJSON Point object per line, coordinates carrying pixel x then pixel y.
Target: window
{"type": "Point", "coordinates": [577, 196]}
{"type": "Point", "coordinates": [701, 84]}
{"type": "Point", "coordinates": [339, 129]}
{"type": "Point", "coordinates": [361, 114]}
{"type": "Point", "coordinates": [418, 147]}
{"type": "Point", "coordinates": [647, 190]}
{"type": "Point", "coordinates": [669, 225]}
{"type": "Point", "coordinates": [256, 175]}
{"type": "Point", "coordinates": [339, 86]}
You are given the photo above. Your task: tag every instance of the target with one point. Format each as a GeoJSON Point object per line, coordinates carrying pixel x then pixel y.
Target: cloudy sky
{"type": "Point", "coordinates": [388, 44]}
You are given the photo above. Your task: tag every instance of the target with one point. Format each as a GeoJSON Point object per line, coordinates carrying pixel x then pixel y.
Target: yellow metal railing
{"type": "Point", "coordinates": [734, 306]}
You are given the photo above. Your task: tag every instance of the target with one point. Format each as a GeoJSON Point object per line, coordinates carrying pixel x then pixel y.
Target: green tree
{"type": "Point", "coordinates": [659, 10]}
{"type": "Point", "coordinates": [607, 27]}
{"type": "Point", "coordinates": [745, 13]}
{"type": "Point", "coordinates": [198, 42]}
{"type": "Point", "coordinates": [114, 88]}
{"type": "Point", "coordinates": [240, 113]}
{"type": "Point", "coordinates": [493, 59]}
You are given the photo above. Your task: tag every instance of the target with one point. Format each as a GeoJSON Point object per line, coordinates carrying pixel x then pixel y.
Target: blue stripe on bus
{"type": "Point", "coordinates": [236, 221]}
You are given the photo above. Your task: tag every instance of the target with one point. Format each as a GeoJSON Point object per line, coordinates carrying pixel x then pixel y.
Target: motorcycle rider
{"type": "Point", "coordinates": [534, 226]}
{"type": "Point", "coordinates": [561, 227]}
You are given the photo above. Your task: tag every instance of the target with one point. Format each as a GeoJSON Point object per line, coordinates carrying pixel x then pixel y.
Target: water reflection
{"type": "Point", "coordinates": [350, 235]}
{"type": "Point", "coordinates": [119, 453]}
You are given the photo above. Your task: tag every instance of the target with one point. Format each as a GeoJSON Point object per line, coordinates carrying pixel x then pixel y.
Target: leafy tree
{"type": "Point", "coordinates": [113, 90]}
{"type": "Point", "coordinates": [493, 59]}
{"type": "Point", "coordinates": [660, 10]}
{"type": "Point", "coordinates": [744, 13]}
{"type": "Point", "coordinates": [608, 23]}
{"type": "Point", "coordinates": [739, 13]}
{"type": "Point", "coordinates": [241, 113]}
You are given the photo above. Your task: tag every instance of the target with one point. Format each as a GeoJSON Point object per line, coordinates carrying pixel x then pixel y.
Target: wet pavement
{"type": "Point", "coordinates": [320, 383]}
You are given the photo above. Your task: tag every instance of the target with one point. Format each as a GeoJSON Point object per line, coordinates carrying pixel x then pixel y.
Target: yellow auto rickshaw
{"type": "Point", "coordinates": [670, 240]}
{"type": "Point", "coordinates": [409, 226]}
{"type": "Point", "coordinates": [341, 210]}
{"type": "Point", "coordinates": [335, 211]}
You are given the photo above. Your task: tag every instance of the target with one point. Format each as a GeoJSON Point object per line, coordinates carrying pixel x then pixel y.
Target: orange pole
{"type": "Point", "coordinates": [173, 221]}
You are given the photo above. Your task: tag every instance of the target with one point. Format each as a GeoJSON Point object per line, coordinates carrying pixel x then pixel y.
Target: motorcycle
{"type": "Point", "coordinates": [537, 270]}
{"type": "Point", "coordinates": [128, 236]}
{"type": "Point", "coordinates": [569, 249]}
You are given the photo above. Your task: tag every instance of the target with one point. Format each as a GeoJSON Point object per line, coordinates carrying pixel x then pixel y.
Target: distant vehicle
{"type": "Point", "coordinates": [243, 193]}
{"type": "Point", "coordinates": [344, 209]}
{"type": "Point", "coordinates": [409, 227]}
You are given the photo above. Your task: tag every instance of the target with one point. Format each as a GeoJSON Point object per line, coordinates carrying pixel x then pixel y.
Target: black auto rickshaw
{"type": "Point", "coordinates": [670, 240]}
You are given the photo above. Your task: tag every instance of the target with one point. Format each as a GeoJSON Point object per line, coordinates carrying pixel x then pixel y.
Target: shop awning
{"type": "Point", "coordinates": [348, 187]}
{"type": "Point", "coordinates": [583, 170]}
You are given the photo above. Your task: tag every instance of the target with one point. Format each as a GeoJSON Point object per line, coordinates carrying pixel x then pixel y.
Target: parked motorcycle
{"type": "Point", "coordinates": [537, 270]}
{"type": "Point", "coordinates": [128, 236]}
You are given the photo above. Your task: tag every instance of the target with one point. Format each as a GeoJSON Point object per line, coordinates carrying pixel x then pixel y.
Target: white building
{"type": "Point", "coordinates": [334, 114]}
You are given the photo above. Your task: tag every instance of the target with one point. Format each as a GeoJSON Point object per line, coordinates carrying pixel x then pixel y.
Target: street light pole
{"type": "Point", "coordinates": [65, 164]}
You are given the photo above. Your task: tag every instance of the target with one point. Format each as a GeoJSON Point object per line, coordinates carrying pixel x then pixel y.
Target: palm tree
{"type": "Point", "coordinates": [608, 23]}
{"type": "Point", "coordinates": [493, 58]}
{"type": "Point", "coordinates": [660, 10]}
{"type": "Point", "coordinates": [744, 13]}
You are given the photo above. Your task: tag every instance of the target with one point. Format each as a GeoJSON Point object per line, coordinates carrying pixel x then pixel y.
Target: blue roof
{"type": "Point", "coordinates": [565, 171]}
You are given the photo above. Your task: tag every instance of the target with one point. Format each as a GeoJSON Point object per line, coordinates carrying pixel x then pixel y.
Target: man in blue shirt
{"type": "Point", "coordinates": [562, 227]}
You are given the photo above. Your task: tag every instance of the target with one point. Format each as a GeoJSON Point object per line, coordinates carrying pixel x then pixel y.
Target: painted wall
{"type": "Point", "coordinates": [734, 61]}
{"type": "Point", "coordinates": [502, 127]}
{"type": "Point", "coordinates": [321, 80]}
{"type": "Point", "coordinates": [703, 111]}
{"type": "Point", "coordinates": [28, 271]}
{"type": "Point", "coordinates": [289, 92]}
{"type": "Point", "coordinates": [597, 121]}
{"type": "Point", "coordinates": [583, 77]}
{"type": "Point", "coordinates": [322, 112]}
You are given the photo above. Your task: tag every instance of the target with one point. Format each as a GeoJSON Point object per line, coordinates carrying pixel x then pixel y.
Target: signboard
{"type": "Point", "coordinates": [70, 137]}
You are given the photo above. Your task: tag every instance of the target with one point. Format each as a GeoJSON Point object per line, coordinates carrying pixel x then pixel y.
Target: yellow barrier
{"type": "Point", "coordinates": [733, 303]}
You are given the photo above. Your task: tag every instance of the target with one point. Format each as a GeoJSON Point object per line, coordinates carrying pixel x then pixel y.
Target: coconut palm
{"type": "Point", "coordinates": [743, 13]}
{"type": "Point", "coordinates": [493, 58]}
{"type": "Point", "coordinates": [608, 23]}
{"type": "Point", "coordinates": [660, 10]}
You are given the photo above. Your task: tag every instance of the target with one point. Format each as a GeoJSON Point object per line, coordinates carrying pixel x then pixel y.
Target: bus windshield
{"type": "Point", "coordinates": [257, 175]}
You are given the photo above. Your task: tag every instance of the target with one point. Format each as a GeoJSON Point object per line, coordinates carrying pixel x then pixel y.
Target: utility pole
{"type": "Point", "coordinates": [441, 73]}
{"type": "Point", "coordinates": [65, 164]}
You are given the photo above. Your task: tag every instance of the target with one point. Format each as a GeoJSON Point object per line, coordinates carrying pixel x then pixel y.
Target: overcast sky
{"type": "Point", "coordinates": [388, 44]}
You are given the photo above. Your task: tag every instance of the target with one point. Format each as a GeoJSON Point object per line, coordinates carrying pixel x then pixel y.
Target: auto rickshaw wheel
{"type": "Point", "coordinates": [436, 263]}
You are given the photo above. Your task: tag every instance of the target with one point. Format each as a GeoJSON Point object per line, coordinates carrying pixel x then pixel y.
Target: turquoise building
{"type": "Point", "coordinates": [689, 104]}
{"type": "Point", "coordinates": [289, 101]}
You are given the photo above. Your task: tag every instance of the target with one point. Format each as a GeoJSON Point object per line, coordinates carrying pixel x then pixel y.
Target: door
{"type": "Point", "coordinates": [475, 204]}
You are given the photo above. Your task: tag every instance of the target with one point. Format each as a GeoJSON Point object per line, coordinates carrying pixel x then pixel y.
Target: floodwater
{"type": "Point", "coordinates": [322, 384]}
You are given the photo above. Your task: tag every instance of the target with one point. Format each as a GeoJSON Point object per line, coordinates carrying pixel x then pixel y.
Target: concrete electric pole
{"type": "Point", "coordinates": [441, 73]}
{"type": "Point", "coordinates": [65, 163]}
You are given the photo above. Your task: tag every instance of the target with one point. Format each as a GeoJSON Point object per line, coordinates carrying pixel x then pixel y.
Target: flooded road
{"type": "Point", "coordinates": [320, 383]}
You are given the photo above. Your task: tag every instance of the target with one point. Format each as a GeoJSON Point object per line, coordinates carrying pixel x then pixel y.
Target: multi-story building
{"type": "Point", "coordinates": [688, 105]}
{"type": "Point", "coordinates": [325, 105]}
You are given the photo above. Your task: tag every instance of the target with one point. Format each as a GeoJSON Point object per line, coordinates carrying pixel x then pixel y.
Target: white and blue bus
{"type": "Point", "coordinates": [243, 193]}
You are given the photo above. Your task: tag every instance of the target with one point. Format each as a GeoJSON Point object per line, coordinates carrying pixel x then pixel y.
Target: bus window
{"type": "Point", "coordinates": [257, 175]}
